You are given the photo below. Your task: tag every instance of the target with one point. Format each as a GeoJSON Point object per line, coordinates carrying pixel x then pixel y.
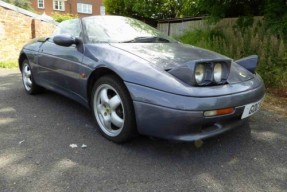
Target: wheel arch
{"type": "Point", "coordinates": [22, 57]}
{"type": "Point", "coordinates": [98, 73]}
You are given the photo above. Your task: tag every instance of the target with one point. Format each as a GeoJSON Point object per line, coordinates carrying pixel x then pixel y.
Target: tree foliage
{"type": "Point", "coordinates": [231, 8]}
{"type": "Point", "coordinates": [25, 4]}
{"type": "Point", "coordinates": [153, 9]}
{"type": "Point", "coordinates": [275, 15]}
{"type": "Point", "coordinates": [274, 12]}
{"type": "Point", "coordinates": [161, 9]}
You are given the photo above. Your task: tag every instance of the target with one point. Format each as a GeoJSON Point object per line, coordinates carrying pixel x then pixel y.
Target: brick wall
{"type": "Point", "coordinates": [17, 27]}
{"type": "Point", "coordinates": [41, 28]}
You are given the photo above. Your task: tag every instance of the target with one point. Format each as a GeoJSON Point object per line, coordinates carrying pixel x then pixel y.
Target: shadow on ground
{"type": "Point", "coordinates": [36, 132]}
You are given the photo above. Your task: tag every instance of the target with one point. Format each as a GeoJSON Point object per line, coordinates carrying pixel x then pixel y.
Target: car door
{"type": "Point", "coordinates": [60, 66]}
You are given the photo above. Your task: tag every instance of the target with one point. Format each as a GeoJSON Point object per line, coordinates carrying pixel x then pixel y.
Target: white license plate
{"type": "Point", "coordinates": [251, 108]}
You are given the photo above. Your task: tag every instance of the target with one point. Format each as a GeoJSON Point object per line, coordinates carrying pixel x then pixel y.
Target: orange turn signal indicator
{"type": "Point", "coordinates": [216, 112]}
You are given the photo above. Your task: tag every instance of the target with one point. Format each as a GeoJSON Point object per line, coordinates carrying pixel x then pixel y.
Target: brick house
{"type": "Point", "coordinates": [79, 7]}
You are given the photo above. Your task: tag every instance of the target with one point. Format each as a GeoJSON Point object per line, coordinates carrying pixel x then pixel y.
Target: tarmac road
{"type": "Point", "coordinates": [36, 131]}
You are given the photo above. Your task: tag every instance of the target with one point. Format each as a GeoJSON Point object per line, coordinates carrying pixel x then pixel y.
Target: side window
{"type": "Point", "coordinates": [69, 27]}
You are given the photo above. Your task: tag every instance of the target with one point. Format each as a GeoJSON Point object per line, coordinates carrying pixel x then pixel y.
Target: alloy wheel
{"type": "Point", "coordinates": [27, 77]}
{"type": "Point", "coordinates": [109, 111]}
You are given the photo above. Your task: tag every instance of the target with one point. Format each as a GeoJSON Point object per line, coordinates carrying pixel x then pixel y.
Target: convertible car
{"type": "Point", "coordinates": [137, 80]}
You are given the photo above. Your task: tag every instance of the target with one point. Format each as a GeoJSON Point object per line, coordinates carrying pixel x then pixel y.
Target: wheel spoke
{"type": "Point", "coordinates": [24, 79]}
{"type": "Point", "coordinates": [25, 71]}
{"type": "Point", "coordinates": [27, 77]}
{"type": "Point", "coordinates": [107, 122]}
{"type": "Point", "coordinates": [100, 109]}
{"type": "Point", "coordinates": [29, 82]}
{"type": "Point", "coordinates": [114, 102]}
{"type": "Point", "coordinates": [116, 120]}
{"type": "Point", "coordinates": [104, 96]}
{"type": "Point", "coordinates": [28, 73]}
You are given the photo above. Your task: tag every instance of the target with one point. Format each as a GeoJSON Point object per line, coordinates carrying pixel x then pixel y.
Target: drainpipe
{"type": "Point", "coordinates": [168, 31]}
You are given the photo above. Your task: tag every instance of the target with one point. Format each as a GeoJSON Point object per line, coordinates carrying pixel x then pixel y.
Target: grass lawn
{"type": "Point", "coordinates": [8, 64]}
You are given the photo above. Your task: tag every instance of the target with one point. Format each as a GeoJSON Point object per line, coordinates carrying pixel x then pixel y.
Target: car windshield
{"type": "Point", "coordinates": [117, 29]}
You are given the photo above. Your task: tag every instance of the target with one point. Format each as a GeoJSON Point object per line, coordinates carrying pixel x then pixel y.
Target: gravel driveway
{"type": "Point", "coordinates": [36, 131]}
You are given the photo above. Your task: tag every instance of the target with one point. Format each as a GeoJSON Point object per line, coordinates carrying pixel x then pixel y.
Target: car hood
{"type": "Point", "coordinates": [145, 64]}
{"type": "Point", "coordinates": [167, 55]}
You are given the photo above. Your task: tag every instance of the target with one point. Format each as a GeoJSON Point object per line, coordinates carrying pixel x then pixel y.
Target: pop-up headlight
{"type": "Point", "coordinates": [203, 72]}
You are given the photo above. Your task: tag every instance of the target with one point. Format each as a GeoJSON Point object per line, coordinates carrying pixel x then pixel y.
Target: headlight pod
{"type": "Point", "coordinates": [199, 73]}
{"type": "Point", "coordinates": [217, 72]}
{"type": "Point", "coordinates": [221, 72]}
{"type": "Point", "coordinates": [203, 72]}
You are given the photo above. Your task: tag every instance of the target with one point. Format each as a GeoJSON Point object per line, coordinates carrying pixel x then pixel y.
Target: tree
{"type": "Point", "coordinates": [161, 9]}
{"type": "Point", "coordinates": [25, 4]}
{"type": "Point", "coordinates": [134, 8]}
{"type": "Point", "coordinates": [231, 8]}
{"type": "Point", "coordinates": [153, 9]}
{"type": "Point", "coordinates": [274, 12]}
{"type": "Point", "coordinates": [275, 16]}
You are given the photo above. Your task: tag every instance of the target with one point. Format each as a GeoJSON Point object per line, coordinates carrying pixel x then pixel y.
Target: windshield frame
{"type": "Point", "coordinates": [154, 33]}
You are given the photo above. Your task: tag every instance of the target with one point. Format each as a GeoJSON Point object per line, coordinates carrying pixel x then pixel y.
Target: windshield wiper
{"type": "Point", "coordinates": [147, 40]}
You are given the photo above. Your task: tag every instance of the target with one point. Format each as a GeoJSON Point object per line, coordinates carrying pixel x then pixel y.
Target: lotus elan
{"type": "Point", "coordinates": [136, 80]}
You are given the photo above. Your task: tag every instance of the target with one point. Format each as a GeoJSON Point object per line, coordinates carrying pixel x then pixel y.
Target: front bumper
{"type": "Point", "coordinates": [181, 125]}
{"type": "Point", "coordinates": [176, 117]}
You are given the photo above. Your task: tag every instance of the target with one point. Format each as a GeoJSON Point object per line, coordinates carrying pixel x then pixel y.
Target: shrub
{"type": "Point", "coordinates": [62, 17]}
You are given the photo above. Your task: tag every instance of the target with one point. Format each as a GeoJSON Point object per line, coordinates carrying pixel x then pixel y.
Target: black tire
{"type": "Point", "coordinates": [105, 112]}
{"type": "Point", "coordinates": [30, 85]}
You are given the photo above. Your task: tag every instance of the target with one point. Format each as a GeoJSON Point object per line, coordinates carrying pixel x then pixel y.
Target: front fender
{"type": "Point", "coordinates": [135, 70]}
{"type": "Point", "coordinates": [152, 96]}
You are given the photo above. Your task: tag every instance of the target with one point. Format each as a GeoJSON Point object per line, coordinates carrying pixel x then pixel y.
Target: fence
{"type": "Point", "coordinates": [175, 27]}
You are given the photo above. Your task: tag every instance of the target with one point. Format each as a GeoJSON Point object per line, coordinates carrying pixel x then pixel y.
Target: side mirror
{"type": "Point", "coordinates": [249, 63]}
{"type": "Point", "coordinates": [66, 40]}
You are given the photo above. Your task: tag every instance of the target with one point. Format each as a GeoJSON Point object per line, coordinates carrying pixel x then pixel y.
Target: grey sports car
{"type": "Point", "coordinates": [137, 80]}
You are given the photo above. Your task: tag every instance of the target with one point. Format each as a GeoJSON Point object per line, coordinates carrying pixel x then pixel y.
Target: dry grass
{"type": "Point", "coordinates": [275, 103]}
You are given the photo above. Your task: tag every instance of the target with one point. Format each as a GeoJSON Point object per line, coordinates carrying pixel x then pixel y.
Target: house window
{"type": "Point", "coordinates": [59, 5]}
{"type": "Point", "coordinates": [84, 8]}
{"type": "Point", "coordinates": [41, 4]}
{"type": "Point", "coordinates": [103, 10]}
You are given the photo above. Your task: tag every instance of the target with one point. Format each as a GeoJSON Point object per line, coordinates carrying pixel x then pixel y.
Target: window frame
{"type": "Point", "coordinates": [102, 21]}
{"type": "Point", "coordinates": [38, 3]}
{"type": "Point", "coordinates": [81, 5]}
{"type": "Point", "coordinates": [58, 4]}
